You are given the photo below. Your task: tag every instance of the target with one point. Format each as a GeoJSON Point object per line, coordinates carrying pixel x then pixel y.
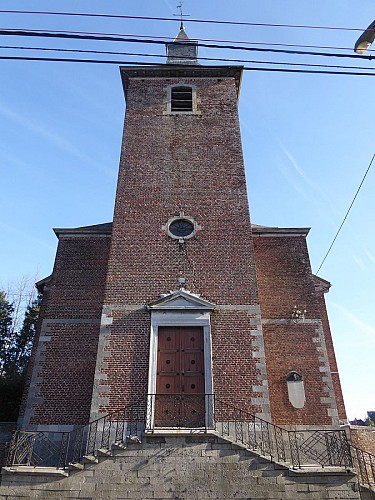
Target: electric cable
{"type": "Point", "coordinates": [143, 63]}
{"type": "Point", "coordinates": [116, 38]}
{"type": "Point", "coordinates": [241, 42]}
{"type": "Point", "coordinates": [140, 54]}
{"type": "Point", "coordinates": [190, 20]}
{"type": "Point", "coordinates": [346, 215]}
{"type": "Point", "coordinates": [167, 39]}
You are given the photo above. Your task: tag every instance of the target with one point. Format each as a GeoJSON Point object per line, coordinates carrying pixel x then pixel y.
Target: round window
{"type": "Point", "coordinates": [181, 228]}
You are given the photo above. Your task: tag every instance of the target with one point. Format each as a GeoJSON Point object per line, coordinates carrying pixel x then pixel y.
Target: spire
{"type": "Point", "coordinates": [180, 6]}
{"type": "Point", "coordinates": [182, 50]}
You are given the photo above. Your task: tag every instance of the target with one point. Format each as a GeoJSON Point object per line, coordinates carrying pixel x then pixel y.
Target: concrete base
{"type": "Point", "coordinates": [183, 468]}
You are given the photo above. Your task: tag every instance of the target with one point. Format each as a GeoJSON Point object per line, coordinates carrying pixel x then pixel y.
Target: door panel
{"type": "Point", "coordinates": [168, 362]}
{"type": "Point", "coordinates": [180, 387]}
{"type": "Point", "coordinates": [192, 362]}
{"type": "Point", "coordinates": [168, 338]}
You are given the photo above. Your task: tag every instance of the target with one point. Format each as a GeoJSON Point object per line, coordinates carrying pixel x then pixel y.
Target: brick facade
{"type": "Point", "coordinates": [61, 373]}
{"type": "Point", "coordinates": [304, 345]}
{"type": "Point", "coordinates": [93, 347]}
{"type": "Point", "coordinates": [163, 172]}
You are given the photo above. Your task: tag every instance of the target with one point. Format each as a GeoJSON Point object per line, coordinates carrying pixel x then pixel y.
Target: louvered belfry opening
{"type": "Point", "coordinates": [182, 99]}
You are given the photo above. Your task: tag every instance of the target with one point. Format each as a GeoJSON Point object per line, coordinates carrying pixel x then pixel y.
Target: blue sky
{"type": "Point", "coordinates": [307, 141]}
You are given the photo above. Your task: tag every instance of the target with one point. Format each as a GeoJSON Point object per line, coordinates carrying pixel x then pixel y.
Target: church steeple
{"type": "Point", "coordinates": [182, 50]}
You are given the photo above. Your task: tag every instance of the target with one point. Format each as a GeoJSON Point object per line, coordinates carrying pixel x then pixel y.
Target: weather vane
{"type": "Point", "coordinates": [181, 15]}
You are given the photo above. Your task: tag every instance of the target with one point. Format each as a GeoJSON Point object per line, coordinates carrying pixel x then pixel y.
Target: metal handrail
{"type": "Point", "coordinates": [364, 464]}
{"type": "Point", "coordinates": [295, 448]}
{"type": "Point", "coordinates": [60, 449]}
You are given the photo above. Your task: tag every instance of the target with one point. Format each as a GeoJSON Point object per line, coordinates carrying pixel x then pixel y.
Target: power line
{"type": "Point", "coordinates": [79, 35]}
{"type": "Point", "coordinates": [241, 42]}
{"type": "Point", "coordinates": [331, 47]}
{"type": "Point", "coordinates": [347, 213]}
{"type": "Point", "coordinates": [200, 20]}
{"type": "Point", "coordinates": [142, 54]}
{"type": "Point", "coordinates": [191, 20]}
{"type": "Point", "coordinates": [143, 63]}
{"type": "Point", "coordinates": [167, 39]}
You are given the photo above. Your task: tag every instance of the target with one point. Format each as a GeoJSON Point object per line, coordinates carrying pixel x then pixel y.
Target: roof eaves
{"type": "Point", "coordinates": [97, 229]}
{"type": "Point", "coordinates": [279, 231]}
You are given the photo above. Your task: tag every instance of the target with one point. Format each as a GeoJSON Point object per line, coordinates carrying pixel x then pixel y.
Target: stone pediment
{"type": "Point", "coordinates": [180, 300]}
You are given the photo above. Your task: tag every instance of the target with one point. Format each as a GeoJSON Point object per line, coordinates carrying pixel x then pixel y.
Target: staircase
{"type": "Point", "coordinates": [67, 452]}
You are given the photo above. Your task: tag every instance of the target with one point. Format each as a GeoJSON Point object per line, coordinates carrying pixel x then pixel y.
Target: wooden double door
{"type": "Point", "coordinates": [180, 381]}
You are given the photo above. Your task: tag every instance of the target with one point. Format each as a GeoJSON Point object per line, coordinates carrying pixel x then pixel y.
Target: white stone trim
{"type": "Point", "coordinates": [179, 318]}
{"type": "Point", "coordinates": [168, 101]}
{"type": "Point", "coordinates": [97, 398]}
{"type": "Point", "coordinates": [181, 239]}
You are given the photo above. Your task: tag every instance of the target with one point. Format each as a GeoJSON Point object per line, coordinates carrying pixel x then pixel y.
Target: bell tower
{"type": "Point", "coordinates": [181, 317]}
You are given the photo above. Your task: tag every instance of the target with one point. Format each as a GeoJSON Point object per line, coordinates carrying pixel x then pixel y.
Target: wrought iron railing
{"type": "Point", "coordinates": [61, 449]}
{"type": "Point", "coordinates": [296, 448]}
{"type": "Point", "coordinates": [364, 464]}
{"type": "Point", "coordinates": [171, 411]}
{"type": "Point", "coordinates": [4, 449]}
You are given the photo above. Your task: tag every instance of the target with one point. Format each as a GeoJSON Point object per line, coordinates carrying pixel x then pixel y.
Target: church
{"type": "Point", "coordinates": [182, 327]}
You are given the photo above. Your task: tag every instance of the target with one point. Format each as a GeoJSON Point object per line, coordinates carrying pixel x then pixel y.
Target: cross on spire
{"type": "Point", "coordinates": [181, 14]}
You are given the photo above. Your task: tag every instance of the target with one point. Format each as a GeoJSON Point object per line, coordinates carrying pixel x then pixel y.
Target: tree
{"type": "Point", "coordinates": [23, 340]}
{"type": "Point", "coordinates": [15, 351]}
{"type": "Point", "coordinates": [369, 421]}
{"type": "Point", "coordinates": [6, 330]}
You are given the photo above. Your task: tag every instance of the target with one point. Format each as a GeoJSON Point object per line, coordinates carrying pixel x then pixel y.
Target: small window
{"type": "Point", "coordinates": [182, 99]}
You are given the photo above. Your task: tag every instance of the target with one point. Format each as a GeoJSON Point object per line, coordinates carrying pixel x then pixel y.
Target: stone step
{"type": "Point", "coordinates": [257, 451]}
{"type": "Point", "coordinates": [90, 459]}
{"type": "Point", "coordinates": [75, 466]}
{"type": "Point", "coordinates": [30, 470]}
{"type": "Point", "coordinates": [119, 445]}
{"type": "Point", "coordinates": [104, 452]}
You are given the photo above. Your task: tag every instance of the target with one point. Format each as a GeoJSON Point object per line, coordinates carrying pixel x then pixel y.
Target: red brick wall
{"type": "Point", "coordinates": [69, 326]}
{"type": "Point", "coordinates": [67, 373]}
{"type": "Point", "coordinates": [291, 348]}
{"type": "Point", "coordinates": [76, 287]}
{"type": "Point", "coordinates": [234, 374]}
{"type": "Point", "coordinates": [186, 162]}
{"type": "Point", "coordinates": [284, 276]}
{"type": "Point", "coordinates": [285, 280]}
{"type": "Point", "coordinates": [126, 359]}
{"type": "Point", "coordinates": [191, 163]}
